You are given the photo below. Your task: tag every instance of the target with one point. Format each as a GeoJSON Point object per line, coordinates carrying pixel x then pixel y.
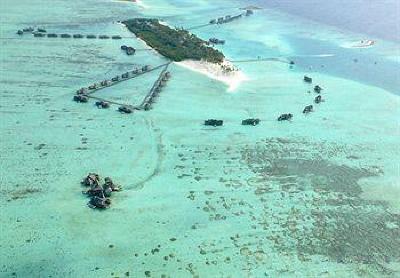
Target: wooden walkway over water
{"type": "Point", "coordinates": [148, 99]}
{"type": "Point", "coordinates": [153, 91]}
{"type": "Point", "coordinates": [130, 74]}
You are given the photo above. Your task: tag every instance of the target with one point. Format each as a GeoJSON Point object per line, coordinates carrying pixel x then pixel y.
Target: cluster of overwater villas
{"type": "Point", "coordinates": [230, 18]}
{"type": "Point", "coordinates": [283, 117]}
{"type": "Point", "coordinates": [41, 32]}
{"type": "Point", "coordinates": [99, 193]}
{"type": "Point", "coordinates": [82, 95]}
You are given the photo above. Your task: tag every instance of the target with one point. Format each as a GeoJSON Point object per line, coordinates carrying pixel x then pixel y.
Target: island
{"type": "Point", "coordinates": [186, 49]}
{"type": "Point", "coordinates": [175, 44]}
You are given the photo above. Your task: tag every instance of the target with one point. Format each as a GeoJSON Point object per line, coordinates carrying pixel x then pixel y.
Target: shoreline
{"type": "Point", "coordinates": [232, 79]}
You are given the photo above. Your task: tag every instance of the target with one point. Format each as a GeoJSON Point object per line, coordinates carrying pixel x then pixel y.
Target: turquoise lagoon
{"type": "Point", "coordinates": [315, 197]}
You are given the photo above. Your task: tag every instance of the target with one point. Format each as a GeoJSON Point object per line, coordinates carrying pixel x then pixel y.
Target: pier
{"type": "Point", "coordinates": [156, 89]}
{"type": "Point", "coordinates": [117, 79]}
{"type": "Point", "coordinates": [87, 92]}
{"type": "Point", "coordinates": [76, 36]}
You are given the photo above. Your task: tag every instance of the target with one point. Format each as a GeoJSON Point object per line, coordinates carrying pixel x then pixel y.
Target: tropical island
{"type": "Point", "coordinates": [186, 49]}
{"type": "Point", "coordinates": [177, 45]}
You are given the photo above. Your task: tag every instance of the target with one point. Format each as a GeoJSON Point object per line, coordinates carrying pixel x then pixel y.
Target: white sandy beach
{"type": "Point", "coordinates": [231, 79]}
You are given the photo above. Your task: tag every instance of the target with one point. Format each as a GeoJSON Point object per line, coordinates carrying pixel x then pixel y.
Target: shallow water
{"type": "Point", "coordinates": [303, 198]}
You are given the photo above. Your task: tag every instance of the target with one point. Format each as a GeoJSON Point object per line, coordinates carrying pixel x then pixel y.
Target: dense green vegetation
{"type": "Point", "coordinates": [177, 45]}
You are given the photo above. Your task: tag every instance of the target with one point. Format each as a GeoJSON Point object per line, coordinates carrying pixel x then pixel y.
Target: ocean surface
{"type": "Point", "coordinates": [314, 197]}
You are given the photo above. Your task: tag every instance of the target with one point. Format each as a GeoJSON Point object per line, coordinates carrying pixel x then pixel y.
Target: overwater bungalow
{"type": "Point", "coordinates": [307, 79]}
{"type": "Point", "coordinates": [317, 89]}
{"type": "Point", "coordinates": [52, 35]}
{"type": "Point", "coordinates": [91, 36]}
{"type": "Point", "coordinates": [130, 50]}
{"type": "Point", "coordinates": [307, 109]}
{"type": "Point", "coordinates": [146, 68]}
{"type": "Point", "coordinates": [28, 29]}
{"type": "Point", "coordinates": [105, 83]}
{"type": "Point", "coordinates": [285, 117]}
{"type": "Point", "coordinates": [318, 99]}
{"type": "Point", "coordinates": [252, 122]}
{"type": "Point", "coordinates": [249, 12]}
{"type": "Point", "coordinates": [93, 87]}
{"type": "Point", "coordinates": [102, 104]}
{"type": "Point", "coordinates": [81, 91]}
{"type": "Point", "coordinates": [77, 36]}
{"type": "Point", "coordinates": [116, 37]}
{"type": "Point", "coordinates": [147, 106]}
{"type": "Point", "coordinates": [125, 109]}
{"type": "Point", "coordinates": [102, 37]}
{"type": "Point", "coordinates": [81, 98]}
{"type": "Point", "coordinates": [65, 36]}
{"type": "Point", "coordinates": [39, 35]}
{"type": "Point", "coordinates": [92, 179]}
{"type": "Point", "coordinates": [99, 202]}
{"type": "Point", "coordinates": [213, 122]}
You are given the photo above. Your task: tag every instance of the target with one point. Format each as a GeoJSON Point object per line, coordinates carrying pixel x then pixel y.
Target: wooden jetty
{"type": "Point", "coordinates": [148, 99]}
{"type": "Point", "coordinates": [155, 90]}
{"type": "Point", "coordinates": [75, 36]}
{"type": "Point", "coordinates": [130, 75]}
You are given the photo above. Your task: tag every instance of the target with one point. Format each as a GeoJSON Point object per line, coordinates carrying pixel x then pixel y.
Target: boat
{"type": "Point", "coordinates": [20, 32]}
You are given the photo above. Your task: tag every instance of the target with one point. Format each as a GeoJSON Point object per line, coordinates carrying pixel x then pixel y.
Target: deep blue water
{"type": "Point", "coordinates": [377, 18]}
